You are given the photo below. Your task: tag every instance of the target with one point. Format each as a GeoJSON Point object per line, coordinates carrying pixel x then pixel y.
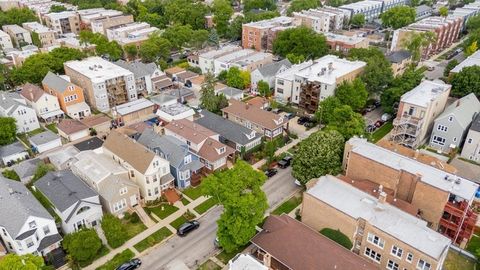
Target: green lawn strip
{"type": "Point", "coordinates": [226, 256]}
{"type": "Point", "coordinates": [381, 132]}
{"type": "Point", "coordinates": [153, 239]}
{"type": "Point", "coordinates": [178, 222]}
{"type": "Point", "coordinates": [157, 210]}
{"type": "Point", "coordinates": [288, 206]}
{"type": "Point", "coordinates": [35, 132]}
{"type": "Point", "coordinates": [203, 207]}
{"type": "Point", "coordinates": [52, 127]}
{"type": "Point", "coordinates": [193, 193]}
{"type": "Point", "coordinates": [209, 265]}
{"type": "Point", "coordinates": [102, 252]}
{"type": "Point", "coordinates": [185, 201]}
{"type": "Point", "coordinates": [473, 245]}
{"type": "Point", "coordinates": [133, 228]}
{"type": "Point", "coordinates": [456, 261]}
{"type": "Point", "coordinates": [117, 260]}
{"type": "Point", "coordinates": [23, 137]}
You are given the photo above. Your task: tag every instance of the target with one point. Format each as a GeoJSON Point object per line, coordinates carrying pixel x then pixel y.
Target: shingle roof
{"type": "Point", "coordinates": [253, 114]}
{"type": "Point", "coordinates": [70, 126]}
{"type": "Point", "coordinates": [138, 68]}
{"type": "Point", "coordinates": [18, 206]}
{"type": "Point", "coordinates": [89, 144]}
{"type": "Point", "coordinates": [463, 109]}
{"type": "Point", "coordinates": [44, 137]}
{"type": "Point", "coordinates": [26, 234]}
{"type": "Point", "coordinates": [272, 68]}
{"type": "Point", "coordinates": [210, 150]}
{"type": "Point", "coordinates": [398, 56]}
{"type": "Point", "coordinates": [49, 240]}
{"type": "Point", "coordinates": [10, 101]}
{"type": "Point", "coordinates": [189, 130]}
{"type": "Point", "coordinates": [55, 82]}
{"type": "Point", "coordinates": [10, 149]}
{"type": "Point", "coordinates": [31, 92]}
{"type": "Point", "coordinates": [26, 168]}
{"type": "Point", "coordinates": [63, 189]}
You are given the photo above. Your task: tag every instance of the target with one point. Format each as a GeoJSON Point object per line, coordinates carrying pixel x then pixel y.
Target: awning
{"type": "Point", "coordinates": [51, 114]}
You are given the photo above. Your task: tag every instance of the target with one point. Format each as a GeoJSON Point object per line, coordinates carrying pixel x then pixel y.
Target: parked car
{"type": "Point", "coordinates": [385, 117]}
{"type": "Point", "coordinates": [370, 108]}
{"type": "Point", "coordinates": [298, 183]}
{"type": "Point", "coordinates": [216, 243]}
{"type": "Point", "coordinates": [187, 227]}
{"type": "Point", "coordinates": [302, 120]}
{"type": "Point", "coordinates": [377, 103]}
{"type": "Point", "coordinates": [379, 123]}
{"type": "Point", "coordinates": [270, 172]}
{"type": "Point", "coordinates": [290, 115]}
{"type": "Point", "coordinates": [132, 264]}
{"type": "Point", "coordinates": [371, 128]}
{"type": "Point", "coordinates": [285, 162]}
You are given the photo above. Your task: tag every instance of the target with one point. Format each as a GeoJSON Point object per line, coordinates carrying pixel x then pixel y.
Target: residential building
{"type": "Point", "coordinates": [106, 85]}
{"type": "Point", "coordinates": [260, 35]}
{"type": "Point", "coordinates": [12, 153]}
{"type": "Point", "coordinates": [261, 121]}
{"type": "Point", "coordinates": [117, 192]}
{"type": "Point", "coordinates": [342, 43]}
{"type": "Point", "coordinates": [185, 78]}
{"type": "Point", "coordinates": [400, 61]}
{"type": "Point", "coordinates": [148, 170]}
{"type": "Point", "coordinates": [267, 73]}
{"type": "Point", "coordinates": [92, 143]}
{"type": "Point", "coordinates": [45, 105]}
{"type": "Point", "coordinates": [69, 95]}
{"type": "Point", "coordinates": [471, 147]}
{"type": "Point", "coordinates": [20, 37]}
{"type": "Point", "coordinates": [237, 136]}
{"type": "Point", "coordinates": [417, 110]}
{"type": "Point", "coordinates": [134, 111]}
{"type": "Point", "coordinates": [62, 158]}
{"type": "Point", "coordinates": [143, 73]}
{"type": "Point", "coordinates": [206, 60]}
{"type": "Point", "coordinates": [472, 60]}
{"type": "Point", "coordinates": [29, 228]}
{"type": "Point", "coordinates": [63, 22]}
{"type": "Point", "coordinates": [175, 111]}
{"type": "Point", "coordinates": [7, 5]}
{"type": "Point", "coordinates": [89, 16]}
{"type": "Point", "coordinates": [451, 127]}
{"type": "Point", "coordinates": [13, 105]}
{"type": "Point", "coordinates": [423, 11]}
{"type": "Point", "coordinates": [19, 56]}
{"type": "Point", "coordinates": [322, 20]}
{"type": "Point", "coordinates": [277, 246]}
{"type": "Point", "coordinates": [370, 9]}
{"type": "Point", "coordinates": [101, 24]}
{"type": "Point", "coordinates": [42, 7]}
{"type": "Point", "coordinates": [100, 123]}
{"type": "Point", "coordinates": [45, 141]}
{"type": "Point", "coordinates": [46, 36]}
{"type": "Point", "coordinates": [161, 83]}
{"type": "Point", "coordinates": [72, 129]}
{"type": "Point", "coordinates": [441, 198]}
{"type": "Point", "coordinates": [379, 231]}
{"type": "Point", "coordinates": [230, 93]}
{"type": "Point", "coordinates": [388, 4]}
{"type": "Point", "coordinates": [5, 41]}
{"type": "Point", "coordinates": [202, 142]}
{"type": "Point", "coordinates": [72, 41]}
{"type": "Point", "coordinates": [184, 166]}
{"type": "Point", "coordinates": [246, 59]}
{"type": "Point", "coordinates": [77, 205]}
{"type": "Point", "coordinates": [284, 83]}
{"type": "Point", "coordinates": [131, 34]}
{"type": "Point", "coordinates": [245, 261]}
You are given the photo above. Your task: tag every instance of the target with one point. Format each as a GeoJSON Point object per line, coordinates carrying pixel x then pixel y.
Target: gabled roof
{"type": "Point", "coordinates": [9, 101]}
{"type": "Point", "coordinates": [11, 149]}
{"type": "Point", "coordinates": [272, 69]}
{"type": "Point", "coordinates": [476, 123]}
{"type": "Point", "coordinates": [173, 149]}
{"type": "Point", "coordinates": [55, 82]}
{"type": "Point", "coordinates": [463, 109]}
{"type": "Point", "coordinates": [211, 150]}
{"type": "Point", "coordinates": [70, 126]}
{"type": "Point", "coordinates": [253, 114]}
{"type": "Point", "coordinates": [189, 130]}
{"type": "Point", "coordinates": [32, 92]}
{"type": "Point", "coordinates": [44, 137]}
{"type": "Point", "coordinates": [138, 68]}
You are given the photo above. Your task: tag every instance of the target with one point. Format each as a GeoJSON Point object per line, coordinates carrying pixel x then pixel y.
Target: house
{"type": "Point", "coordinates": [184, 166]}
{"type": "Point", "coordinates": [117, 192]}
{"type": "Point", "coordinates": [45, 141]}
{"type": "Point", "coordinates": [72, 129]}
{"type": "Point", "coordinates": [379, 231]}
{"type": "Point", "coordinates": [422, 12]}
{"type": "Point", "coordinates": [13, 105]}
{"type": "Point", "coordinates": [245, 261]}
{"type": "Point", "coordinates": [472, 60]}
{"type": "Point", "coordinates": [62, 158]}
{"type": "Point", "coordinates": [143, 74]}
{"type": "Point", "coordinates": [147, 169]}
{"type": "Point", "coordinates": [99, 123]}
{"type": "Point", "coordinates": [202, 142]}
{"type": "Point", "coordinates": [278, 244]}
{"type": "Point", "coordinates": [20, 37]}
{"type": "Point", "coordinates": [344, 43]}
{"type": "Point", "coordinates": [5, 41]}
{"type": "Point", "coordinates": [175, 111]}
{"type": "Point", "coordinates": [46, 36]}
{"type": "Point", "coordinates": [261, 121]}
{"type": "Point", "coordinates": [77, 205]}
{"type": "Point", "coordinates": [471, 147]}
{"type": "Point", "coordinates": [26, 169]}
{"type": "Point", "coordinates": [45, 105]}
{"type": "Point", "coordinates": [134, 111]}
{"type": "Point", "coordinates": [232, 134]}
{"type": "Point", "coordinates": [161, 83]}
{"type": "Point", "coordinates": [69, 95]}
{"type": "Point", "coordinates": [267, 73]}
{"type": "Point", "coordinates": [400, 61]}
{"type": "Point", "coordinates": [12, 153]}
{"type": "Point", "coordinates": [370, 9]}
{"type": "Point", "coordinates": [206, 60]}
{"type": "Point", "coordinates": [29, 228]}
{"type": "Point", "coordinates": [231, 93]}
{"type": "Point", "coordinates": [322, 20]}
{"type": "Point", "coordinates": [417, 111]}
{"type": "Point", "coordinates": [451, 127]}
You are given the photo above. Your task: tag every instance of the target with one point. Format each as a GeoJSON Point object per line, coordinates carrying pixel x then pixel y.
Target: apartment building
{"type": "Point", "coordinates": [46, 36]}
{"type": "Point", "coordinates": [206, 60]}
{"type": "Point", "coordinates": [260, 35]}
{"type": "Point", "coordinates": [400, 61]}
{"type": "Point", "coordinates": [5, 41]}
{"type": "Point", "coordinates": [370, 9]}
{"type": "Point", "coordinates": [285, 83]}
{"type": "Point", "coordinates": [13, 105]}
{"type": "Point", "coordinates": [132, 33]}
{"type": "Point", "coordinates": [63, 22]}
{"type": "Point", "coordinates": [434, 193]}
{"type": "Point", "coordinates": [267, 74]}
{"type": "Point", "coordinates": [246, 59]}
{"type": "Point", "coordinates": [422, 12]}
{"type": "Point", "coordinates": [417, 111]}
{"type": "Point", "coordinates": [19, 36]}
{"type": "Point", "coordinates": [342, 43]}
{"type": "Point", "coordinates": [100, 25]}
{"type": "Point", "coordinates": [42, 7]}
{"type": "Point", "coordinates": [88, 16]}
{"type": "Point", "coordinates": [379, 231]}
{"type": "Point", "coordinates": [144, 75]}
{"type": "Point", "coordinates": [322, 20]}
{"type": "Point", "coordinates": [388, 4]}
{"type": "Point", "coordinates": [105, 84]}
{"type": "Point", "coordinates": [472, 60]}
{"type": "Point", "coordinates": [446, 32]}
{"type": "Point", "coordinates": [19, 56]}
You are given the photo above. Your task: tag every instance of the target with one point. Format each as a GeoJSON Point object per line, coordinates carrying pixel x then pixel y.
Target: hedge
{"type": "Point", "coordinates": [337, 236]}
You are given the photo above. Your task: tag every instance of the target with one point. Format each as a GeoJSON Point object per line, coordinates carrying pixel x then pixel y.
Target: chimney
{"type": "Point", "coordinates": [382, 198]}
{"type": "Point", "coordinates": [31, 95]}
{"type": "Point", "coordinates": [415, 156]}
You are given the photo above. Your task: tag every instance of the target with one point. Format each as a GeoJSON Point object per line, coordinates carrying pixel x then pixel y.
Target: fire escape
{"type": "Point", "coordinates": [359, 235]}
{"type": "Point", "coordinates": [406, 130]}
{"type": "Point", "coordinates": [310, 97]}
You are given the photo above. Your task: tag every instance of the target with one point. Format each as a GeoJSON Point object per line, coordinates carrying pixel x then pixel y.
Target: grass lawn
{"type": "Point", "coordinates": [203, 207]}
{"type": "Point", "coordinates": [288, 206]}
{"type": "Point", "coordinates": [185, 201]}
{"type": "Point", "coordinates": [225, 256]}
{"type": "Point", "coordinates": [52, 127]}
{"type": "Point", "coordinates": [153, 239]}
{"type": "Point", "coordinates": [133, 228]}
{"type": "Point", "coordinates": [117, 260]}
{"type": "Point", "coordinates": [35, 132]}
{"type": "Point", "coordinates": [178, 222]}
{"type": "Point", "coordinates": [193, 193]}
{"type": "Point", "coordinates": [162, 214]}
{"type": "Point", "coordinates": [209, 265]}
{"type": "Point", "coordinates": [103, 251]}
{"type": "Point", "coordinates": [381, 132]}
{"type": "Point", "coordinates": [473, 244]}
{"type": "Point", "coordinates": [23, 137]}
{"type": "Point", "coordinates": [456, 261]}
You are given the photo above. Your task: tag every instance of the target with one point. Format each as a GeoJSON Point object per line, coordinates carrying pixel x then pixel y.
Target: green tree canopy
{"type": "Point", "coordinates": [324, 114]}
{"type": "Point", "coordinates": [57, 8]}
{"type": "Point", "coordinates": [208, 99]}
{"type": "Point", "coordinates": [23, 262]}
{"type": "Point", "coordinates": [183, 35]}
{"type": "Point", "coordinates": [451, 64]}
{"type": "Point", "coordinates": [154, 48]}
{"type": "Point", "coordinates": [131, 51]}
{"type": "Point", "coordinates": [357, 20]}
{"type": "Point", "coordinates": [378, 72]}
{"type": "Point", "coordinates": [8, 130]}
{"type": "Point", "coordinates": [186, 12]}
{"type": "Point", "coordinates": [353, 94]}
{"type": "Point", "coordinates": [466, 81]}
{"type": "Point", "coordinates": [443, 11]}
{"type": "Point", "coordinates": [248, 5]}
{"type": "Point", "coordinates": [398, 17]}
{"type": "Point", "coordinates": [82, 245]}
{"type": "Point", "coordinates": [473, 23]}
{"type": "Point", "coordinates": [103, 46]}
{"type": "Point", "coordinates": [299, 5]}
{"type": "Point", "coordinates": [114, 230]}
{"type": "Point", "coordinates": [300, 41]}
{"type": "Point", "coordinates": [17, 16]}
{"type": "Point", "coordinates": [416, 42]}
{"type": "Point", "coordinates": [337, 236]}
{"type": "Point", "coordinates": [244, 202]}
{"type": "Point", "coordinates": [222, 11]}
{"type": "Point", "coordinates": [399, 86]}
{"type": "Point", "coordinates": [320, 154]}
{"type": "Point", "coordinates": [264, 89]}
{"type": "Point", "coordinates": [238, 78]}
{"type": "Point", "coordinates": [347, 122]}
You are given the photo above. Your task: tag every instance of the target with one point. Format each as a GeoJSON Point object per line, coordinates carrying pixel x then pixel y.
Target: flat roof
{"type": "Point", "coordinates": [426, 92]}
{"type": "Point", "coordinates": [362, 4]}
{"type": "Point", "coordinates": [97, 166]}
{"type": "Point", "coordinates": [269, 23]}
{"type": "Point", "coordinates": [175, 109]}
{"type": "Point", "coordinates": [134, 106]}
{"type": "Point", "coordinates": [97, 69]}
{"type": "Point", "coordinates": [472, 60]}
{"type": "Point", "coordinates": [352, 40]}
{"type": "Point", "coordinates": [220, 52]}
{"type": "Point", "coordinates": [61, 15]}
{"type": "Point", "coordinates": [36, 27]}
{"type": "Point", "coordinates": [15, 29]}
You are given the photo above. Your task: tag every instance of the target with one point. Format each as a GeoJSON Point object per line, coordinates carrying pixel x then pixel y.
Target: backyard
{"type": "Point", "coordinates": [381, 132]}
{"type": "Point", "coordinates": [456, 261]}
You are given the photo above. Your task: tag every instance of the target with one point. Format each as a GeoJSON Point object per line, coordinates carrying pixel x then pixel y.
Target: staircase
{"type": "Point", "coordinates": [357, 243]}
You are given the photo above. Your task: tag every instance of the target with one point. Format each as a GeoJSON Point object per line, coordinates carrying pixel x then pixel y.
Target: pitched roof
{"type": "Point", "coordinates": [398, 56]}
{"type": "Point", "coordinates": [189, 130]}
{"type": "Point", "coordinates": [211, 150]}
{"type": "Point", "coordinates": [26, 168]}
{"type": "Point", "coordinates": [11, 149]}
{"type": "Point", "coordinates": [64, 189]}
{"type": "Point", "coordinates": [55, 82]}
{"type": "Point", "coordinates": [273, 68]}
{"type": "Point", "coordinates": [173, 149]}
{"type": "Point", "coordinates": [464, 110]}
{"type": "Point", "coordinates": [95, 120]}
{"type": "Point", "coordinates": [476, 123]}
{"type": "Point", "coordinates": [9, 101]}
{"type": "Point", "coordinates": [138, 68]}
{"type": "Point", "coordinates": [70, 126]}
{"type": "Point", "coordinates": [127, 149]}
{"type": "Point", "coordinates": [17, 203]}
{"type": "Point", "coordinates": [254, 114]}
{"type": "Point", "coordinates": [44, 137]}
{"type": "Point", "coordinates": [299, 247]}
{"type": "Point", "coordinates": [31, 92]}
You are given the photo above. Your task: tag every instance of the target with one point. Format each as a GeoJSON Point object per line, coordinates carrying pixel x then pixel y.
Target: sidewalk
{"type": "Point", "coordinates": [139, 237]}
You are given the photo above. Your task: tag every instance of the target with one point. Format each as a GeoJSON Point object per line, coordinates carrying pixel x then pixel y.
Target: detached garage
{"type": "Point", "coordinates": [72, 129]}
{"type": "Point", "coordinates": [45, 141]}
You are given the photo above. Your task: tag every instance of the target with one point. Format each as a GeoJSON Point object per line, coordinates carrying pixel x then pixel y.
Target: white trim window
{"type": "Point", "coordinates": [372, 254]}
{"type": "Point", "coordinates": [123, 190]}
{"type": "Point", "coordinates": [377, 241]}
{"type": "Point", "coordinates": [397, 252]}
{"type": "Point", "coordinates": [438, 140]}
{"type": "Point", "coordinates": [391, 265]}
{"type": "Point", "coordinates": [409, 257]}
{"type": "Point", "coordinates": [442, 128]}
{"type": "Point", "coordinates": [423, 265]}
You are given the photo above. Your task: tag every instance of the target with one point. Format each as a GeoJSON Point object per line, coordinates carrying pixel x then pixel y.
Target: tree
{"type": "Point", "coordinates": [17, 16]}
{"type": "Point", "coordinates": [443, 11]}
{"type": "Point", "coordinates": [389, 97]}
{"type": "Point", "coordinates": [398, 17]}
{"type": "Point", "coordinates": [222, 76]}
{"type": "Point", "coordinates": [36, 39]}
{"type": "Point", "coordinates": [452, 64]}
{"type": "Point", "coordinates": [178, 35]}
{"type": "Point", "coordinates": [466, 81]}
{"type": "Point", "coordinates": [41, 170]}
{"type": "Point", "coordinates": [57, 8]}
{"type": "Point", "coordinates": [114, 230]}
{"type": "Point", "coordinates": [234, 31]}
{"type": "Point", "coordinates": [338, 237]}
{"type": "Point", "coordinates": [213, 38]}
{"type": "Point", "coordinates": [186, 12]}
{"type": "Point", "coordinates": [299, 5]}
{"type": "Point", "coordinates": [208, 99]}
{"type": "Point", "coordinates": [131, 51]}
{"type": "Point", "coordinates": [154, 48]}
{"type": "Point", "coordinates": [8, 130]}
{"type": "Point", "coordinates": [235, 79]}
{"type": "Point", "coordinates": [222, 11]}
{"type": "Point", "coordinates": [269, 150]}
{"type": "Point", "coordinates": [347, 122]}
{"type": "Point", "coordinates": [248, 5]}
{"type": "Point", "coordinates": [295, 59]}
{"type": "Point", "coordinates": [324, 114]}
{"type": "Point", "coordinates": [473, 23]}
{"type": "Point", "coordinates": [102, 46]}
{"type": "Point", "coordinates": [260, 15]}
{"type": "Point", "coordinates": [378, 72]}
{"type": "Point", "coordinates": [82, 245]}
{"type": "Point", "coordinates": [264, 89]}
{"type": "Point", "coordinates": [399, 86]}
{"type": "Point", "coordinates": [417, 41]}
{"type": "Point", "coordinates": [353, 94]}
{"type": "Point", "coordinates": [320, 154]}
{"type": "Point", "coordinates": [300, 41]}
{"type": "Point", "coordinates": [24, 262]}
{"type": "Point", "coordinates": [471, 49]}
{"type": "Point", "coordinates": [246, 78]}
{"type": "Point", "coordinates": [357, 20]}
{"type": "Point", "coordinates": [198, 38]}
{"type": "Point", "coordinates": [244, 202]}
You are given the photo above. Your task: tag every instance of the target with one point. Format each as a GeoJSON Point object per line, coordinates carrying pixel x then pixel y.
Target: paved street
{"type": "Point", "coordinates": [198, 246]}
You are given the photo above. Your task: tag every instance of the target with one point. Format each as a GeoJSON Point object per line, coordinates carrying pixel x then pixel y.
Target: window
{"type": "Point", "coordinates": [450, 118]}
{"type": "Point", "coordinates": [83, 209]}
{"type": "Point", "coordinates": [442, 128]}
{"type": "Point", "coordinates": [469, 140]}
{"type": "Point", "coordinates": [376, 240]}
{"type": "Point", "coordinates": [396, 251]}
{"type": "Point", "coordinates": [411, 110]}
{"type": "Point", "coordinates": [280, 82]}
{"type": "Point", "coordinates": [4, 232]}
{"type": "Point", "coordinates": [423, 265]}
{"type": "Point", "coordinates": [438, 140]}
{"type": "Point", "coordinates": [373, 254]}
{"type": "Point", "coordinates": [29, 242]}
{"type": "Point", "coordinates": [123, 190]}
{"type": "Point", "coordinates": [409, 257]}
{"type": "Point", "coordinates": [454, 139]}
{"type": "Point", "coordinates": [32, 224]}
{"type": "Point", "coordinates": [187, 159]}
{"type": "Point", "coordinates": [46, 229]}
{"type": "Point", "coordinates": [392, 265]}
{"type": "Point", "coordinates": [222, 150]}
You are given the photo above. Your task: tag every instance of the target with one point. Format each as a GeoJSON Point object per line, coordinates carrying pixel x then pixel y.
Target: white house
{"type": "Point", "coordinates": [143, 74]}
{"type": "Point", "coordinates": [268, 72]}
{"type": "Point", "coordinates": [45, 141]}
{"type": "Point", "coordinates": [5, 41]}
{"type": "Point", "coordinates": [45, 105]}
{"type": "Point", "coordinates": [175, 111]}
{"type": "Point", "coordinates": [13, 105]}
{"type": "Point", "coordinates": [13, 152]}
{"type": "Point", "coordinates": [77, 205]}
{"type": "Point", "coordinates": [25, 227]}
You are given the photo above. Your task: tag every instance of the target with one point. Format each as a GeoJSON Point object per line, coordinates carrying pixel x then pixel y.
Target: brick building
{"type": "Point", "coordinates": [260, 35]}
{"type": "Point", "coordinates": [342, 43]}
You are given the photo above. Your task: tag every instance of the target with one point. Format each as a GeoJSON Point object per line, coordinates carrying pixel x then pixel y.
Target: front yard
{"type": "Point", "coordinates": [193, 192]}
{"type": "Point", "coordinates": [206, 205]}
{"type": "Point", "coordinates": [182, 219]}
{"type": "Point", "coordinates": [288, 206]}
{"type": "Point", "coordinates": [209, 265]}
{"type": "Point", "coordinates": [162, 211]}
{"type": "Point", "coordinates": [153, 239]}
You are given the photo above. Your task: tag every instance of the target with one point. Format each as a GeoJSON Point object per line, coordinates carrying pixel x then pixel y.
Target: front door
{"type": "Point", "coordinates": [133, 200]}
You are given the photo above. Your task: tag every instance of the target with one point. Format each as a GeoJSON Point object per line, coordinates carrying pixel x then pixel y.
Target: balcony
{"type": "Point", "coordinates": [408, 119]}
{"type": "Point", "coordinates": [456, 208]}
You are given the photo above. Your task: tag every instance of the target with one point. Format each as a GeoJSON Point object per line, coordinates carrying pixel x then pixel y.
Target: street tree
{"type": "Point", "coordinates": [17, 16]}
{"type": "Point", "coordinates": [378, 72]}
{"type": "Point", "coordinates": [82, 245]}
{"type": "Point", "coordinates": [324, 114]}
{"type": "Point", "coordinates": [347, 122]}
{"type": "Point", "coordinates": [320, 154]}
{"type": "Point", "coordinates": [357, 20]}
{"type": "Point", "coordinates": [8, 130]}
{"type": "Point", "coordinates": [466, 81]}
{"type": "Point", "coordinates": [264, 89]}
{"type": "Point", "coordinates": [249, 5]}
{"type": "Point", "coordinates": [269, 150]}
{"type": "Point", "coordinates": [23, 262]}
{"type": "Point", "coordinates": [353, 94]}
{"type": "Point", "coordinates": [451, 64]}
{"type": "Point", "coordinates": [222, 11]}
{"type": "Point", "coordinates": [300, 41]}
{"type": "Point", "coordinates": [154, 48]}
{"type": "Point", "coordinates": [398, 17]}
{"type": "Point", "coordinates": [208, 99]}
{"type": "Point", "coordinates": [473, 23]}
{"type": "Point", "coordinates": [443, 11]}
{"type": "Point", "coordinates": [471, 49]}
{"type": "Point", "coordinates": [299, 5]}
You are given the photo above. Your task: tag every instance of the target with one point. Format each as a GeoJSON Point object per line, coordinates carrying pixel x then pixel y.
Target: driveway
{"type": "Point", "coordinates": [296, 128]}
{"type": "Point", "coordinates": [373, 116]}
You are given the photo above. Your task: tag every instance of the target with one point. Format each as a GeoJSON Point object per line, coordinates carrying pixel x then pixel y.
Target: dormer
{"type": "Point", "coordinates": [251, 135]}
{"type": "Point", "coordinates": [221, 150]}
{"type": "Point", "coordinates": [278, 121]}
{"type": "Point", "coordinates": [187, 159]}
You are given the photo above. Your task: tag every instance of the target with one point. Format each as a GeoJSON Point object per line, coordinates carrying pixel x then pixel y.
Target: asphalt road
{"type": "Point", "coordinates": [437, 73]}
{"type": "Point", "coordinates": [195, 248]}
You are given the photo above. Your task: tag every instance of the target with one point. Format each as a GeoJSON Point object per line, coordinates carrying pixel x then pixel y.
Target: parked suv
{"type": "Point", "coordinates": [132, 264]}
{"type": "Point", "coordinates": [285, 162]}
{"type": "Point", "coordinates": [187, 227]}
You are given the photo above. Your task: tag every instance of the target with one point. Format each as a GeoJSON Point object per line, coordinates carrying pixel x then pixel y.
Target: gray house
{"type": "Point", "coordinates": [471, 148]}
{"type": "Point", "coordinates": [451, 127]}
{"type": "Point", "coordinates": [268, 72]}
{"type": "Point", "coordinates": [12, 153]}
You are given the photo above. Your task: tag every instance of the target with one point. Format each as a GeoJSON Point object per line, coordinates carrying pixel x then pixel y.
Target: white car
{"type": "Point", "coordinates": [385, 117]}
{"type": "Point", "coordinates": [298, 183]}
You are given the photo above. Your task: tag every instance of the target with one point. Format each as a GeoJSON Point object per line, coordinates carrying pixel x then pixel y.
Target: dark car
{"type": "Point", "coordinates": [302, 120]}
{"type": "Point", "coordinates": [370, 128]}
{"type": "Point", "coordinates": [285, 162]}
{"type": "Point", "coordinates": [377, 103]}
{"type": "Point", "coordinates": [379, 123]}
{"type": "Point", "coordinates": [270, 172]}
{"type": "Point", "coordinates": [187, 227]}
{"type": "Point", "coordinates": [309, 124]}
{"type": "Point", "coordinates": [132, 264]}
{"type": "Point", "coordinates": [370, 108]}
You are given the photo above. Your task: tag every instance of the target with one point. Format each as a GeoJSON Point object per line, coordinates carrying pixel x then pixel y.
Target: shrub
{"type": "Point", "coordinates": [114, 230]}
{"type": "Point", "coordinates": [337, 236]}
{"type": "Point", "coordinates": [118, 260]}
{"type": "Point", "coordinates": [82, 246]}
{"type": "Point", "coordinates": [11, 174]}
{"type": "Point", "coordinates": [134, 218]}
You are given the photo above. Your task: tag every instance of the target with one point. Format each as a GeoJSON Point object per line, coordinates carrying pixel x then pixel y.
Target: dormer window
{"type": "Point", "coordinates": [123, 190]}
{"type": "Point", "coordinates": [221, 150]}
{"type": "Point", "coordinates": [32, 224]}
{"type": "Point", "coordinates": [187, 159]}
{"type": "Point", "coordinates": [70, 87]}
